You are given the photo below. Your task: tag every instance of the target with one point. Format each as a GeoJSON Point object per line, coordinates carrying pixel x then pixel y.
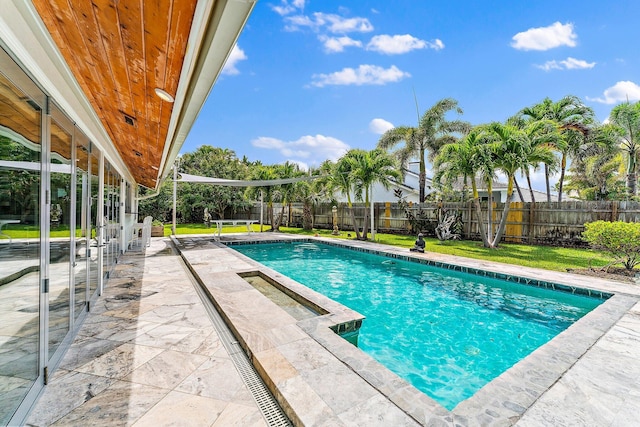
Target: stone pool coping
{"type": "Point", "coordinates": [300, 361]}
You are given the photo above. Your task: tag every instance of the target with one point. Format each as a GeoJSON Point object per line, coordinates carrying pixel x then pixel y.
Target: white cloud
{"type": "Point", "coordinates": [380, 126]}
{"type": "Point", "coordinates": [337, 44]}
{"type": "Point", "coordinates": [287, 7]}
{"type": "Point", "coordinates": [235, 56]}
{"type": "Point", "coordinates": [567, 64]}
{"type": "Point", "coordinates": [544, 38]}
{"type": "Point", "coordinates": [437, 44]}
{"type": "Point", "coordinates": [620, 92]}
{"type": "Point", "coordinates": [363, 75]}
{"type": "Point", "coordinates": [330, 22]}
{"type": "Point", "coordinates": [310, 148]}
{"type": "Point", "coordinates": [398, 44]}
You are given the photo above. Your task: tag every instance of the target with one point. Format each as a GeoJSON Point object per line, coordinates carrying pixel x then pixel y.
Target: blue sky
{"type": "Point", "coordinates": [309, 80]}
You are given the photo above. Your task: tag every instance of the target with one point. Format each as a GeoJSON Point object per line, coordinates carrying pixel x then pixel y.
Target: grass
{"type": "Point", "coordinates": [22, 231]}
{"type": "Point", "coordinates": [546, 257]}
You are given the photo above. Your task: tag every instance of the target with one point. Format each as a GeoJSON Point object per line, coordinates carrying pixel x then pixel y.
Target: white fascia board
{"type": "Point", "coordinates": [25, 35]}
{"type": "Point", "coordinates": [215, 29]}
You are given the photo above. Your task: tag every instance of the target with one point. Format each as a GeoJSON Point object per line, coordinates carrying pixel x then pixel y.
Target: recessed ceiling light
{"type": "Point", "coordinates": [165, 96]}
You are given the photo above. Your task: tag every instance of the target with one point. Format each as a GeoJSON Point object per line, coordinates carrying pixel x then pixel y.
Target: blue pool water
{"type": "Point", "coordinates": [445, 332]}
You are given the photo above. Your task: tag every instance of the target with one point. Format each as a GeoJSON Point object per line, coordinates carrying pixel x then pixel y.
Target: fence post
{"type": "Point", "coordinates": [470, 210]}
{"type": "Point", "coordinates": [532, 207]}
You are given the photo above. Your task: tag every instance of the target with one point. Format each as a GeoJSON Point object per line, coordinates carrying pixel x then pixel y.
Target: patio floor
{"type": "Point", "coordinates": [148, 354]}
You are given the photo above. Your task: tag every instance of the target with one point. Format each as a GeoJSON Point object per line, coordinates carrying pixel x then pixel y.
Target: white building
{"type": "Point", "coordinates": [410, 188]}
{"type": "Point", "coordinates": [96, 99]}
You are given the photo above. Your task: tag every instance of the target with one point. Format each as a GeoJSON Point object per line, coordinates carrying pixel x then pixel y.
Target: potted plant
{"type": "Point", "coordinates": [157, 228]}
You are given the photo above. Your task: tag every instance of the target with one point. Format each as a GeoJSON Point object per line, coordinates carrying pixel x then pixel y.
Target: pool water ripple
{"type": "Point", "coordinates": [447, 333]}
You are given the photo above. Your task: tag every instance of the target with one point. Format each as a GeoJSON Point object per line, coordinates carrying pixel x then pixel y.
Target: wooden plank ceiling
{"type": "Point", "coordinates": [120, 51]}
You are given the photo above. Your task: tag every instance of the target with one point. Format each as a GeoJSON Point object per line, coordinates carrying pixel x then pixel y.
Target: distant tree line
{"type": "Point", "coordinates": [594, 161]}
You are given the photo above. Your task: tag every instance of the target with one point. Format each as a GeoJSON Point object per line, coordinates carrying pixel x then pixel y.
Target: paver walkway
{"type": "Point", "coordinates": [147, 355]}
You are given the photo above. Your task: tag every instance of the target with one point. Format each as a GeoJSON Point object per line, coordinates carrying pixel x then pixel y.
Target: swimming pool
{"type": "Point", "coordinates": [448, 333]}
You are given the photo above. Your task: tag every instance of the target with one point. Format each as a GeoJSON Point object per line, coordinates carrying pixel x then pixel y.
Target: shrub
{"type": "Point", "coordinates": [619, 239]}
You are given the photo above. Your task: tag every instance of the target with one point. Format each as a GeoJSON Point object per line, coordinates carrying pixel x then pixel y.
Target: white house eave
{"type": "Point", "coordinates": [214, 32]}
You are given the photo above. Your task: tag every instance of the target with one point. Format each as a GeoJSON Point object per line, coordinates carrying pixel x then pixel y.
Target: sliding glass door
{"type": "Point", "coordinates": [21, 294]}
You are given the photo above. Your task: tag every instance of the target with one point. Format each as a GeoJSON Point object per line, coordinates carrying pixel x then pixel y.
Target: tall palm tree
{"type": "Point", "coordinates": [511, 151]}
{"type": "Point", "coordinates": [598, 176]}
{"type": "Point", "coordinates": [433, 132]}
{"type": "Point", "coordinates": [626, 117]}
{"type": "Point", "coordinates": [340, 180]}
{"type": "Point", "coordinates": [465, 158]}
{"type": "Point", "coordinates": [573, 120]}
{"type": "Point", "coordinates": [367, 169]}
{"type": "Point", "coordinates": [542, 135]}
{"type": "Point", "coordinates": [311, 192]}
{"type": "Point", "coordinates": [285, 193]}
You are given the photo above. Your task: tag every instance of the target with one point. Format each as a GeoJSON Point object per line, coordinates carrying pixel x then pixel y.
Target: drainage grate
{"type": "Point", "coordinates": [267, 404]}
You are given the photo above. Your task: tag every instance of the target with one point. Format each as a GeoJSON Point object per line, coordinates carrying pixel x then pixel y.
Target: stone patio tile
{"type": "Point", "coordinates": [376, 412]}
{"type": "Point", "coordinates": [235, 415]}
{"type": "Point", "coordinates": [65, 394]}
{"type": "Point", "coordinates": [121, 404]}
{"type": "Point", "coordinates": [182, 410]}
{"type": "Point", "coordinates": [120, 361]}
{"type": "Point", "coordinates": [166, 370]}
{"type": "Point", "coordinates": [216, 378]}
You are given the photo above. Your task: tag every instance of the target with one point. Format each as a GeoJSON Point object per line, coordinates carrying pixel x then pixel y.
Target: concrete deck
{"type": "Point", "coordinates": [148, 355]}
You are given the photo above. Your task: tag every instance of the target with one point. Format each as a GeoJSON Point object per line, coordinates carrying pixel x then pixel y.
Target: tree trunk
{"type": "Point", "coordinates": [423, 175]}
{"type": "Point", "coordinates": [505, 213]}
{"type": "Point", "coordinates": [631, 183]}
{"type": "Point", "coordinates": [563, 167]}
{"type": "Point", "coordinates": [278, 221]}
{"type": "Point", "coordinates": [365, 225]}
{"type": "Point", "coordinates": [423, 183]}
{"type": "Point", "coordinates": [515, 182]}
{"type": "Point", "coordinates": [353, 220]}
{"type": "Point", "coordinates": [483, 233]}
{"type": "Point", "coordinates": [271, 218]}
{"type": "Point", "coordinates": [307, 217]}
{"type": "Point", "coordinates": [490, 212]}
{"type": "Point", "coordinates": [546, 177]}
{"type": "Point", "coordinates": [476, 202]}
{"type": "Point", "coordinates": [533, 197]}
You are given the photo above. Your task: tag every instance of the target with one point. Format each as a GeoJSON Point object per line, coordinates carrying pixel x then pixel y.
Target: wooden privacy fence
{"type": "Point", "coordinates": [557, 224]}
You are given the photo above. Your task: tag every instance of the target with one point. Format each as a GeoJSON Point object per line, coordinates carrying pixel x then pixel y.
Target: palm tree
{"type": "Point", "coordinates": [340, 180]}
{"type": "Point", "coordinates": [598, 168]}
{"type": "Point", "coordinates": [285, 192]}
{"type": "Point", "coordinates": [464, 159]}
{"type": "Point", "coordinates": [511, 151]}
{"type": "Point", "coordinates": [627, 119]}
{"type": "Point", "coordinates": [433, 132]}
{"type": "Point", "coordinates": [367, 169]}
{"type": "Point", "coordinates": [573, 120]}
{"type": "Point", "coordinates": [311, 192]}
{"type": "Point", "coordinates": [543, 136]}
{"type": "Point", "coordinates": [266, 193]}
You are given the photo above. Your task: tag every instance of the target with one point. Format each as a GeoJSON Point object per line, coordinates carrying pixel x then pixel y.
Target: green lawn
{"type": "Point", "coordinates": [550, 258]}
